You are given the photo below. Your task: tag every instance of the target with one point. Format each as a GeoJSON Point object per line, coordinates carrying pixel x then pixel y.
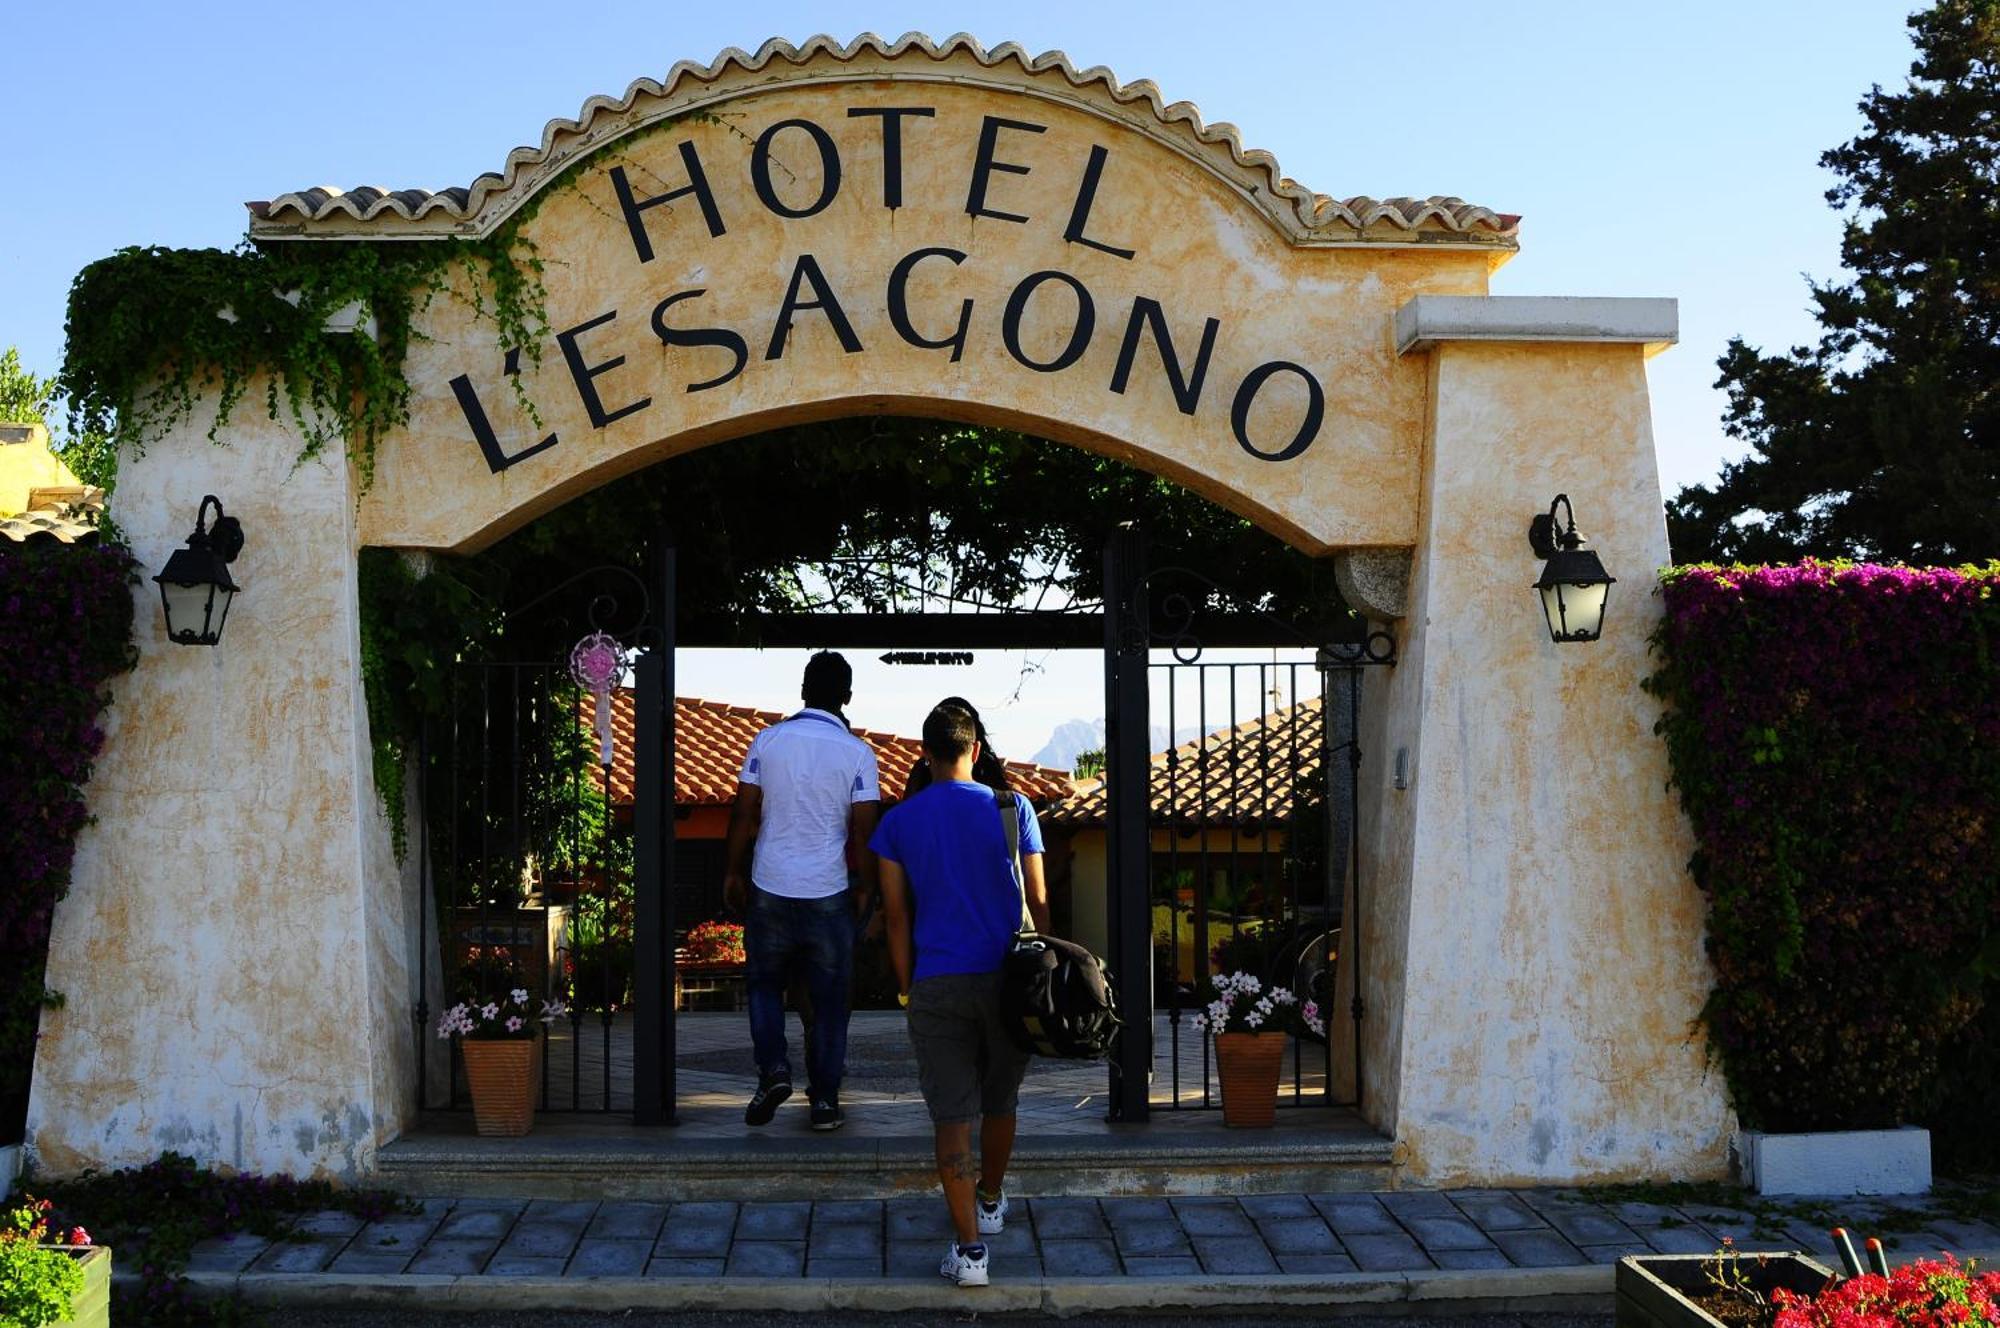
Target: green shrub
{"type": "Point", "coordinates": [38, 1281]}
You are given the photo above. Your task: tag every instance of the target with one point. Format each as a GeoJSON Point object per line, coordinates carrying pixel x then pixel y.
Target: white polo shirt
{"type": "Point", "coordinates": [812, 770]}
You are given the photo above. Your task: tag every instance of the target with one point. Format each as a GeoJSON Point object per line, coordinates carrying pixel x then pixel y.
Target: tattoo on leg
{"type": "Point", "coordinates": [960, 1165]}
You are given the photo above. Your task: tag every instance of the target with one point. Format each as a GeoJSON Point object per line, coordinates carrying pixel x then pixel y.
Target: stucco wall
{"type": "Point", "coordinates": [233, 946]}
{"type": "Point", "coordinates": [1533, 883]}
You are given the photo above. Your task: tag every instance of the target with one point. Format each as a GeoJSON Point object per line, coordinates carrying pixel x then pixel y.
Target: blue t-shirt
{"type": "Point", "coordinates": [950, 843]}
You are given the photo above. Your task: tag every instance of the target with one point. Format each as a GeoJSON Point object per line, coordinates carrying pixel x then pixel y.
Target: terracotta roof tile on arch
{"type": "Point", "coordinates": [1306, 216]}
{"type": "Point", "coordinates": [711, 738]}
{"type": "Point", "coordinates": [1247, 775]}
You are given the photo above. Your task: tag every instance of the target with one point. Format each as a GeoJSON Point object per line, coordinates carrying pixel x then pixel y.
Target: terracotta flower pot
{"type": "Point", "coordinates": [1249, 1064]}
{"type": "Point", "coordinates": [501, 1074]}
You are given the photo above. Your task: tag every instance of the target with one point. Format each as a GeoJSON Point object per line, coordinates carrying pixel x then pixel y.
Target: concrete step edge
{"type": "Point", "coordinates": [393, 1160]}
{"type": "Point", "coordinates": [1510, 1290]}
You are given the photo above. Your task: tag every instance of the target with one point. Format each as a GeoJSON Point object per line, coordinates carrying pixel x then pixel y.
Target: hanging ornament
{"type": "Point", "coordinates": [595, 664]}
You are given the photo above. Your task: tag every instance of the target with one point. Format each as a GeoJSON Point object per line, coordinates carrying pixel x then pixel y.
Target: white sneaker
{"type": "Point", "coordinates": [992, 1216]}
{"type": "Point", "coordinates": [965, 1265]}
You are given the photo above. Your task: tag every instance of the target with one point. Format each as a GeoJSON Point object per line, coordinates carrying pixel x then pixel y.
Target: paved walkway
{"type": "Point", "coordinates": [1318, 1236]}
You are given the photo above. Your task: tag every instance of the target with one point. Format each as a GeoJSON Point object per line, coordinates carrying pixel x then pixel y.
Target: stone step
{"type": "Point", "coordinates": [628, 1164]}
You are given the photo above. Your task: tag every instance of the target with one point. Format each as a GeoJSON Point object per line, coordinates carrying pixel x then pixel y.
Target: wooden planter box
{"type": "Point", "coordinates": [92, 1306]}
{"type": "Point", "coordinates": [1653, 1290]}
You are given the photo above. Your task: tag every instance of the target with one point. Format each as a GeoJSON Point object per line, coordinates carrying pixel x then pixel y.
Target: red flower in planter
{"type": "Point", "coordinates": [1929, 1293]}
{"type": "Point", "coordinates": [716, 943]}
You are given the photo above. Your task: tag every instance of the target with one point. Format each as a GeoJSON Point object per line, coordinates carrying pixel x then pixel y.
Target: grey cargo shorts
{"type": "Point", "coordinates": [966, 1064]}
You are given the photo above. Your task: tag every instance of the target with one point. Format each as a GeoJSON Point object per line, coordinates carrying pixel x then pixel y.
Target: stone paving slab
{"type": "Point", "coordinates": [1080, 1258]}
{"type": "Point", "coordinates": [1496, 1210]}
{"type": "Point", "coordinates": [1538, 1249]}
{"type": "Point", "coordinates": [1385, 1246]}
{"type": "Point", "coordinates": [378, 1262]}
{"type": "Point", "coordinates": [1447, 1233]}
{"type": "Point", "coordinates": [1381, 1253]}
{"type": "Point", "coordinates": [328, 1224]}
{"type": "Point", "coordinates": [226, 1254]}
{"type": "Point", "coordinates": [767, 1258]}
{"type": "Point", "coordinates": [541, 1240]}
{"type": "Point", "coordinates": [671, 1267]}
{"type": "Point", "coordinates": [525, 1265]}
{"type": "Point", "coordinates": [1234, 1254]}
{"type": "Point", "coordinates": [1356, 1215]}
{"type": "Point", "coordinates": [304, 1256]}
{"type": "Point", "coordinates": [845, 1242]}
{"type": "Point", "coordinates": [610, 1258]}
{"type": "Point", "coordinates": [1213, 1217]}
{"type": "Point", "coordinates": [773, 1221]}
{"type": "Point", "coordinates": [457, 1258]}
{"type": "Point", "coordinates": [1488, 1259]}
{"type": "Point", "coordinates": [628, 1221]}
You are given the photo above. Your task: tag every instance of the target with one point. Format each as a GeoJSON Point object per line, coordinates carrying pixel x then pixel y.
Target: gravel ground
{"type": "Point", "coordinates": [404, 1319]}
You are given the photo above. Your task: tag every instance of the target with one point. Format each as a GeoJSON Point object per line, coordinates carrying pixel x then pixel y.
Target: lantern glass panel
{"type": "Point", "coordinates": [188, 609]}
{"type": "Point", "coordinates": [1575, 612]}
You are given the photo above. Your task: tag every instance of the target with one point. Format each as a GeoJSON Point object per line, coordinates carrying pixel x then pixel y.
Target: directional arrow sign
{"type": "Point", "coordinates": [928, 657]}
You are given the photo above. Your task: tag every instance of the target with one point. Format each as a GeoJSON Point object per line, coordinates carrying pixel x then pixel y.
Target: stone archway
{"type": "Point", "coordinates": [973, 234]}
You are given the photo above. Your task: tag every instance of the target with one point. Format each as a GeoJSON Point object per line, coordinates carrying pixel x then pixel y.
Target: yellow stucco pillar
{"type": "Point", "coordinates": [234, 949]}
{"type": "Point", "coordinates": [1536, 940]}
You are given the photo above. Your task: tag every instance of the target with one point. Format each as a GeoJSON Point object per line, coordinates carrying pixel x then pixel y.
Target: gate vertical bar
{"type": "Point", "coordinates": [424, 885]}
{"type": "Point", "coordinates": [1127, 737]}
{"type": "Point", "coordinates": [653, 1085]}
{"type": "Point", "coordinates": [1332, 873]}
{"type": "Point", "coordinates": [667, 923]}
{"type": "Point", "coordinates": [1350, 928]}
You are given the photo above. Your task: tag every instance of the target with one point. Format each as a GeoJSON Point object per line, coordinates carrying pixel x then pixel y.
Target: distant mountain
{"type": "Point", "coordinates": [1071, 739]}
{"type": "Point", "coordinates": [1074, 737]}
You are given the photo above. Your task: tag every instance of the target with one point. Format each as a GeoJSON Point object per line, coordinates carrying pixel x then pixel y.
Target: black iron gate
{"type": "Point", "coordinates": [1232, 839]}
{"type": "Point", "coordinates": [1233, 849]}
{"type": "Point", "coordinates": [539, 878]}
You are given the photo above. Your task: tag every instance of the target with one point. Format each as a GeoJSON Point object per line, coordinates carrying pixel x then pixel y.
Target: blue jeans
{"type": "Point", "coordinates": [818, 936]}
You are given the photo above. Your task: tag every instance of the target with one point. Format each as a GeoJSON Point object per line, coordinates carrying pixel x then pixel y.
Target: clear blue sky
{"type": "Point", "coordinates": [1664, 149]}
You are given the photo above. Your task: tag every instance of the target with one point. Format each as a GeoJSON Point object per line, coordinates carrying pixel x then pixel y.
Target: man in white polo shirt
{"type": "Point", "coordinates": [808, 788]}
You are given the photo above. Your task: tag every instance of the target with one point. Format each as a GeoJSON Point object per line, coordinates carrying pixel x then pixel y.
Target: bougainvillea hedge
{"type": "Point", "coordinates": [65, 631]}
{"type": "Point", "coordinates": [1835, 738]}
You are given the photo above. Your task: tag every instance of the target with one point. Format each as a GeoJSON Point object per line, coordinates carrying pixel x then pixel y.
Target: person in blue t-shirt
{"type": "Point", "coordinates": [953, 902]}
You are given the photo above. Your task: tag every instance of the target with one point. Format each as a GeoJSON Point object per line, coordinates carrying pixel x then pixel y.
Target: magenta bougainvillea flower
{"type": "Point", "coordinates": [1835, 735]}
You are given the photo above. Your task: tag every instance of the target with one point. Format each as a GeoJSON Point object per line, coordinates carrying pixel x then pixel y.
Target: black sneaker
{"type": "Point", "coordinates": [764, 1102]}
{"type": "Point", "coordinates": [827, 1116]}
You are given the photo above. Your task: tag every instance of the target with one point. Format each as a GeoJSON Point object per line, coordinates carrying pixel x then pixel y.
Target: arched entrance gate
{"type": "Point", "coordinates": [969, 234]}
{"type": "Point", "coordinates": [1235, 850]}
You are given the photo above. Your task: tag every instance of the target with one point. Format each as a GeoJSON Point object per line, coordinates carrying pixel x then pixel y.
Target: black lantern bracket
{"type": "Point", "coordinates": [1544, 536]}
{"type": "Point", "coordinates": [196, 578]}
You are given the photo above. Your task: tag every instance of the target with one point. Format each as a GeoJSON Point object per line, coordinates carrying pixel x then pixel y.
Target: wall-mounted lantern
{"type": "Point", "coordinates": [1574, 583]}
{"type": "Point", "coordinates": [195, 586]}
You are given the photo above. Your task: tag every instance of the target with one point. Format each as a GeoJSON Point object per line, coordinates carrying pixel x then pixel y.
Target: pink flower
{"type": "Point", "coordinates": [513, 1023]}
{"type": "Point", "coordinates": [78, 1236]}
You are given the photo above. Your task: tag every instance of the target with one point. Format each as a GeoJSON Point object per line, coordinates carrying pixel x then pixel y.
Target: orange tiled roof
{"type": "Point", "coordinates": [1243, 775]}
{"type": "Point", "coordinates": [712, 737]}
